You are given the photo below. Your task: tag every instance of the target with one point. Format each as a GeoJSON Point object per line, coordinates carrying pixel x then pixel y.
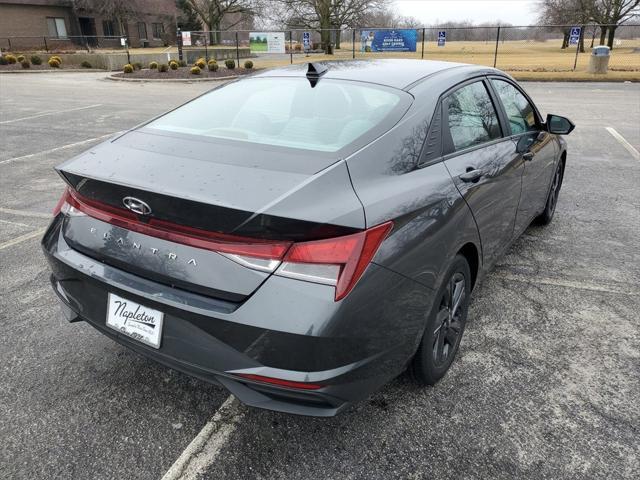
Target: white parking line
{"type": "Point", "coordinates": [54, 112]}
{"type": "Point", "coordinates": [51, 150]}
{"type": "Point", "coordinates": [630, 148]}
{"type": "Point", "coordinates": [25, 213]}
{"type": "Point", "coordinates": [16, 223]}
{"type": "Point", "coordinates": [205, 447]}
{"type": "Point", "coordinates": [22, 238]}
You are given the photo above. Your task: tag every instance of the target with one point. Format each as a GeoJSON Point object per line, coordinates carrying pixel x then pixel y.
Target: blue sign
{"type": "Point", "coordinates": [388, 40]}
{"type": "Point", "coordinates": [575, 35]}
{"type": "Point", "coordinates": [442, 38]}
{"type": "Point", "coordinates": [306, 40]}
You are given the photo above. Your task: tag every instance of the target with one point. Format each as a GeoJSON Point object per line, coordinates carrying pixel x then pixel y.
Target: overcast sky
{"type": "Point", "coordinates": [516, 12]}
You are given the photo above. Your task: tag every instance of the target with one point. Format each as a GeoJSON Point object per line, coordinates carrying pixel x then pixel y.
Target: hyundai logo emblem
{"type": "Point", "coordinates": [136, 205]}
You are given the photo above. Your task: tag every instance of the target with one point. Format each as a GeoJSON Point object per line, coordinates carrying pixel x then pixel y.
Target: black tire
{"type": "Point", "coordinates": [444, 330]}
{"type": "Point", "coordinates": [552, 199]}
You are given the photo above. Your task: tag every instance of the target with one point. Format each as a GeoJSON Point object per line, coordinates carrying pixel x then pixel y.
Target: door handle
{"type": "Point", "coordinates": [471, 175]}
{"type": "Point", "coordinates": [528, 156]}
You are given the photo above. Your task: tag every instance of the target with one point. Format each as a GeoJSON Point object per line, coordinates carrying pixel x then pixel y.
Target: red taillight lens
{"type": "Point", "coordinates": [61, 202]}
{"type": "Point", "coordinates": [217, 242]}
{"type": "Point", "coordinates": [280, 382]}
{"type": "Point", "coordinates": [337, 261]}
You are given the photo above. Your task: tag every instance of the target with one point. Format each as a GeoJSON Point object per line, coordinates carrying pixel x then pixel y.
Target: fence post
{"type": "Point", "coordinates": [206, 52]}
{"type": "Point", "coordinates": [495, 56]}
{"type": "Point", "coordinates": [580, 38]}
{"type": "Point", "coordinates": [423, 34]}
{"type": "Point", "coordinates": [178, 39]}
{"type": "Point", "coordinates": [291, 46]}
{"type": "Point", "coordinates": [353, 44]}
{"type": "Point", "coordinates": [46, 47]}
{"type": "Point", "coordinates": [237, 50]}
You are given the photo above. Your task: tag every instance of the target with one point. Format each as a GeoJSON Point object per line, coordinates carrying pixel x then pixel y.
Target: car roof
{"type": "Point", "coordinates": [396, 73]}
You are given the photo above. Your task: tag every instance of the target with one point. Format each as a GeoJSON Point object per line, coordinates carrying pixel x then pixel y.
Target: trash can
{"type": "Point", "coordinates": [599, 60]}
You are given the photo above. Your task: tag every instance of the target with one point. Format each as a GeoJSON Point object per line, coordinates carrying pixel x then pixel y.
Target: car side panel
{"type": "Point", "coordinates": [432, 220]}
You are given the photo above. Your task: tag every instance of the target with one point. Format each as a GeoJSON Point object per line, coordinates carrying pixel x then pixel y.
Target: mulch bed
{"type": "Point", "coordinates": [183, 73]}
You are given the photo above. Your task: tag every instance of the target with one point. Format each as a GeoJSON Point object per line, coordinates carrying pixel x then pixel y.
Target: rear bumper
{"type": "Point", "coordinates": [287, 329]}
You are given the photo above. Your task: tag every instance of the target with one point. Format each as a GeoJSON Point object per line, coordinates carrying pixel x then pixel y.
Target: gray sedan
{"type": "Point", "coordinates": [304, 235]}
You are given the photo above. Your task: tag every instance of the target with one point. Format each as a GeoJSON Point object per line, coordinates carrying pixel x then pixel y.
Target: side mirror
{"type": "Point", "coordinates": [559, 125]}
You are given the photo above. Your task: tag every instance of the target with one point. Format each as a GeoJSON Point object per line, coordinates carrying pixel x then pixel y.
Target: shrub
{"type": "Point", "coordinates": [248, 64]}
{"type": "Point", "coordinates": [3, 60]}
{"type": "Point", "coordinates": [10, 58]}
{"type": "Point", "coordinates": [53, 63]}
{"type": "Point", "coordinates": [212, 65]}
{"type": "Point", "coordinates": [230, 64]}
{"type": "Point", "coordinates": [153, 65]}
{"type": "Point", "coordinates": [182, 63]}
{"type": "Point", "coordinates": [163, 67]}
{"type": "Point", "coordinates": [36, 60]}
{"type": "Point", "coordinates": [195, 70]}
{"type": "Point", "coordinates": [128, 68]}
{"type": "Point", "coordinates": [20, 58]}
{"type": "Point", "coordinates": [136, 65]}
{"type": "Point", "coordinates": [86, 64]}
{"type": "Point", "coordinates": [297, 47]}
{"type": "Point", "coordinates": [173, 65]}
{"type": "Point", "coordinates": [200, 63]}
{"type": "Point", "coordinates": [25, 64]}
{"type": "Point", "coordinates": [56, 57]}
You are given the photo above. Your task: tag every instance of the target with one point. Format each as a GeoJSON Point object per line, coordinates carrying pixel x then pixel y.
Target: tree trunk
{"type": "Point", "coordinates": [337, 33]}
{"type": "Point", "coordinates": [603, 34]}
{"type": "Point", "coordinates": [581, 40]}
{"type": "Point", "coordinates": [565, 39]}
{"type": "Point", "coordinates": [612, 34]}
{"type": "Point", "coordinates": [216, 32]}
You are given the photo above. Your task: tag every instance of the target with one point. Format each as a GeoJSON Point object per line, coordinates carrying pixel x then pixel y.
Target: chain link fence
{"type": "Point", "coordinates": [528, 48]}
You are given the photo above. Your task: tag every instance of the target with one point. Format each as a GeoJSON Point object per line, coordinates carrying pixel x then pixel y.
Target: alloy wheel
{"type": "Point", "coordinates": [448, 325]}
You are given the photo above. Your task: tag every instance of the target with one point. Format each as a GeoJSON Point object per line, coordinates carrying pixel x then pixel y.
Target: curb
{"type": "Point", "coordinates": [69, 70]}
{"type": "Point", "coordinates": [171, 80]}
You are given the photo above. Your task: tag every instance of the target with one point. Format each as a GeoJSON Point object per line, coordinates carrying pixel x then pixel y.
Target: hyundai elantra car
{"type": "Point", "coordinates": [304, 235]}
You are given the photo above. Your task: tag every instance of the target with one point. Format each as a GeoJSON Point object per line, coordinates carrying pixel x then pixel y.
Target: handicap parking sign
{"type": "Point", "coordinates": [574, 37]}
{"type": "Point", "coordinates": [442, 38]}
{"type": "Point", "coordinates": [306, 40]}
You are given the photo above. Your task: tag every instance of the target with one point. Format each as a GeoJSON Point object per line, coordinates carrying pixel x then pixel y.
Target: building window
{"type": "Point", "coordinates": [57, 27]}
{"type": "Point", "coordinates": [158, 30]}
{"type": "Point", "coordinates": [142, 30]}
{"type": "Point", "coordinates": [109, 28]}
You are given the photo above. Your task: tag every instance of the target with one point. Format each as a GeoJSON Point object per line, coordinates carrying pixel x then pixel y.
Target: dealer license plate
{"type": "Point", "coordinates": [134, 320]}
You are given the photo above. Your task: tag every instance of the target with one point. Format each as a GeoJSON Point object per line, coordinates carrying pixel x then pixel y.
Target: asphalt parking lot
{"type": "Point", "coordinates": [546, 384]}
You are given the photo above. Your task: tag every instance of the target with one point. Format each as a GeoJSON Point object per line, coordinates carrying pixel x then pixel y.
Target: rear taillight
{"type": "Point", "coordinates": [337, 261]}
{"type": "Point", "coordinates": [61, 202]}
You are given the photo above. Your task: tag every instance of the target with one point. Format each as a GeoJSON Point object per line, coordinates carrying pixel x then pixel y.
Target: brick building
{"type": "Point", "coordinates": [63, 23]}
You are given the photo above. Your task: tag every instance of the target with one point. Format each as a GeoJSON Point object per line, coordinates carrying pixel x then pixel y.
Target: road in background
{"type": "Point", "coordinates": [546, 382]}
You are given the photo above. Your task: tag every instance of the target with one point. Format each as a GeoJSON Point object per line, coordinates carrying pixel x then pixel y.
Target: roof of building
{"type": "Point", "coordinates": [391, 72]}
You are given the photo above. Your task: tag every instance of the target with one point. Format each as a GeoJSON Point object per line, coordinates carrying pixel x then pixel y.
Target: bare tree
{"type": "Point", "coordinates": [212, 12]}
{"type": "Point", "coordinates": [121, 11]}
{"type": "Point", "coordinates": [568, 13]}
{"type": "Point", "coordinates": [612, 13]}
{"type": "Point", "coordinates": [324, 15]}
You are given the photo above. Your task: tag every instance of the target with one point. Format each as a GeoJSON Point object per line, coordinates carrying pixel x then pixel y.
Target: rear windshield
{"type": "Point", "coordinates": [285, 112]}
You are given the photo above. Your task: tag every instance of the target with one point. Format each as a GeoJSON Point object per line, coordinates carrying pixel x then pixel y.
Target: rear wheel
{"type": "Point", "coordinates": [552, 200]}
{"type": "Point", "coordinates": [445, 325]}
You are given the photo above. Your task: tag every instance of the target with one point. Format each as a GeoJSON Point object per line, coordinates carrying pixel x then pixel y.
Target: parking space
{"type": "Point", "coordinates": [546, 383]}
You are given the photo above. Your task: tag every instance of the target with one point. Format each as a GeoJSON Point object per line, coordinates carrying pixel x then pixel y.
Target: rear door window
{"type": "Point", "coordinates": [472, 118]}
{"type": "Point", "coordinates": [520, 113]}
